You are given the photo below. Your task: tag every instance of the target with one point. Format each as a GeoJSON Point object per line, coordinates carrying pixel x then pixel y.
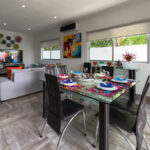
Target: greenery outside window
{"type": "Point", "coordinates": [113, 49]}
{"type": "Point", "coordinates": [135, 44]}
{"type": "Point", "coordinates": [101, 50]}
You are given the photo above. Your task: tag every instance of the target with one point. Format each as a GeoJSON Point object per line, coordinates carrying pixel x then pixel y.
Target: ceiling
{"type": "Point", "coordinates": [39, 14]}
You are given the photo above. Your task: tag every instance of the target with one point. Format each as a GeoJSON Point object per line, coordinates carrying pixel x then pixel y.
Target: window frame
{"type": "Point", "coordinates": [113, 49]}
{"type": "Point", "coordinates": [50, 54]}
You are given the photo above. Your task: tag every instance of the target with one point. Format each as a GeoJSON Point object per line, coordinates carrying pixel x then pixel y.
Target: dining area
{"type": "Point", "coordinates": [112, 96]}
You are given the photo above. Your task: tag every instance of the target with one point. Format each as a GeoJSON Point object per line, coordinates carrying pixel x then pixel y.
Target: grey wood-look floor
{"type": "Point", "coordinates": [21, 120]}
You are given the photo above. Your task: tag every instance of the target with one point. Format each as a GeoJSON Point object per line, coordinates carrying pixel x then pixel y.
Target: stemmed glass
{"type": "Point", "coordinates": [70, 74]}
{"type": "Point", "coordinates": [107, 75]}
{"type": "Point", "coordinates": [85, 70]}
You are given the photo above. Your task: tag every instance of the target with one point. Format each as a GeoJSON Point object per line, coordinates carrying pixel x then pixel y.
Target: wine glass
{"type": "Point", "coordinates": [107, 75]}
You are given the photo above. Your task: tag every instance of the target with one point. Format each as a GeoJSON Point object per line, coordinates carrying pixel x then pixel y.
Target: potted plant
{"type": "Point", "coordinates": [129, 57]}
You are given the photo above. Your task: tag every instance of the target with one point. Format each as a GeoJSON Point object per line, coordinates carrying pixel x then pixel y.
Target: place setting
{"type": "Point", "coordinates": [63, 76]}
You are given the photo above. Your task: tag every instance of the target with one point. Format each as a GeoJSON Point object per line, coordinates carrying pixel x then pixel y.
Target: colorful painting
{"type": "Point", "coordinates": [72, 46]}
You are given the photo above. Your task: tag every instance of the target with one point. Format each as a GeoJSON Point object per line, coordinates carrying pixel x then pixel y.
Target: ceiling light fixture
{"type": "Point", "coordinates": [4, 24]}
{"type": "Point", "coordinates": [23, 6]}
{"type": "Point", "coordinates": [55, 17]}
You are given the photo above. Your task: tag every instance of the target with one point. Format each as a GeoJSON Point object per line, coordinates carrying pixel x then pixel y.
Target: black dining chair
{"type": "Point", "coordinates": [132, 123]}
{"type": "Point", "coordinates": [87, 67]}
{"type": "Point", "coordinates": [126, 104]}
{"type": "Point", "coordinates": [60, 110]}
{"type": "Point", "coordinates": [110, 69]}
{"type": "Point", "coordinates": [62, 69]}
{"type": "Point", "coordinates": [51, 70]}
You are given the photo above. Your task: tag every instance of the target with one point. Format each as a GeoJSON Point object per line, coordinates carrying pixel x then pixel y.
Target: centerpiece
{"type": "Point", "coordinates": [128, 57]}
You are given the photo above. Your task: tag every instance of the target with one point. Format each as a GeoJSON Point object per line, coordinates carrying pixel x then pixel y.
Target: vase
{"type": "Point", "coordinates": [128, 65]}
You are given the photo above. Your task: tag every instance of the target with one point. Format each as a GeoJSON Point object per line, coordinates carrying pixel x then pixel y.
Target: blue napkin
{"type": "Point", "coordinates": [68, 81]}
{"type": "Point", "coordinates": [77, 72]}
{"type": "Point", "coordinates": [107, 92]}
{"type": "Point", "coordinates": [118, 79]}
{"type": "Point", "coordinates": [108, 85]}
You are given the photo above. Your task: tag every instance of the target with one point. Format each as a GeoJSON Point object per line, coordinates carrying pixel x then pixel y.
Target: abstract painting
{"type": "Point", "coordinates": [72, 46]}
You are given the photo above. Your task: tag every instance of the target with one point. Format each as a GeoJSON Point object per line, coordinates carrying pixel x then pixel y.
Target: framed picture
{"type": "Point", "coordinates": [72, 46]}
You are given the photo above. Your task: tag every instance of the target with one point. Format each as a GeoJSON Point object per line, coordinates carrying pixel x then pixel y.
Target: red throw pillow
{"type": "Point", "coordinates": [9, 70]}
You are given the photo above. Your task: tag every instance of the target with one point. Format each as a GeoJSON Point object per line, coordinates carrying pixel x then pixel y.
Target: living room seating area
{"type": "Point", "coordinates": [22, 82]}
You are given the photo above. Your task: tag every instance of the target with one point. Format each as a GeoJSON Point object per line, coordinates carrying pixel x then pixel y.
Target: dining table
{"type": "Point", "coordinates": [89, 91]}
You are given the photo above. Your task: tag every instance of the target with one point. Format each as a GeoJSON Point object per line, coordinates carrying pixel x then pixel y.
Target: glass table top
{"type": "Point", "coordinates": [90, 92]}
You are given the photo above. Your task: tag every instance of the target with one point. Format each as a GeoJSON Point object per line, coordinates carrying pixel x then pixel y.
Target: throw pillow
{"type": "Point", "coordinates": [9, 70]}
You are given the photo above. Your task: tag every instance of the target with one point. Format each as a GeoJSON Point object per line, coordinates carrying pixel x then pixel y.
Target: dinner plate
{"type": "Point", "coordinates": [87, 80]}
{"type": "Point", "coordinates": [125, 81]}
{"type": "Point", "coordinates": [107, 88]}
{"type": "Point", "coordinates": [99, 75]}
{"type": "Point", "coordinates": [69, 84]}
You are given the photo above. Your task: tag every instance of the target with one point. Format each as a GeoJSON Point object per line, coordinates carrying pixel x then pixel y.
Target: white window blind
{"type": "Point", "coordinates": [50, 49]}
{"type": "Point", "coordinates": [140, 28]}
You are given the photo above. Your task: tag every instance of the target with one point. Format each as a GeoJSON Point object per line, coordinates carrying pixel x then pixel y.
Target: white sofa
{"type": "Point", "coordinates": [23, 82]}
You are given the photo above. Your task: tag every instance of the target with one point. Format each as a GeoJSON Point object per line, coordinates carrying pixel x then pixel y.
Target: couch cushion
{"type": "Point", "coordinates": [9, 70]}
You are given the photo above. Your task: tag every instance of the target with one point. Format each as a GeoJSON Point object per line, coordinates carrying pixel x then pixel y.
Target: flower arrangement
{"type": "Point", "coordinates": [129, 56]}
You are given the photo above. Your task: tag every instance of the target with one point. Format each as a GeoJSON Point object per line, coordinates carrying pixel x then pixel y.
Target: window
{"type": "Point", "coordinates": [113, 49]}
{"type": "Point", "coordinates": [101, 50]}
{"type": "Point", "coordinates": [50, 50]}
{"type": "Point", "coordinates": [55, 52]}
{"type": "Point", "coordinates": [45, 53]}
{"type": "Point", "coordinates": [134, 44]}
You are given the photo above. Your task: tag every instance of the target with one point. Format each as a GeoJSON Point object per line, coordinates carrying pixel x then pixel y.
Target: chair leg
{"type": "Point", "coordinates": [126, 139]}
{"type": "Point", "coordinates": [96, 134]}
{"type": "Point", "coordinates": [84, 121]}
{"type": "Point", "coordinates": [66, 95]}
{"type": "Point", "coordinates": [148, 147]}
{"type": "Point", "coordinates": [41, 133]}
{"type": "Point", "coordinates": [148, 123]}
{"type": "Point", "coordinates": [62, 134]}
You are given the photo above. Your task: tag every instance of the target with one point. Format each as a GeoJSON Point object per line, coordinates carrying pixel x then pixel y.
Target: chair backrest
{"type": "Point", "coordinates": [51, 70]}
{"type": "Point", "coordinates": [109, 69]}
{"type": "Point", "coordinates": [87, 67]}
{"type": "Point", "coordinates": [141, 115]}
{"type": "Point", "coordinates": [62, 69]}
{"type": "Point", "coordinates": [54, 111]}
{"type": "Point", "coordinates": [147, 81]}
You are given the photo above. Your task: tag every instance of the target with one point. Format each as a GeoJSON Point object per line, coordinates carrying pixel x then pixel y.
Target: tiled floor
{"type": "Point", "coordinates": [21, 120]}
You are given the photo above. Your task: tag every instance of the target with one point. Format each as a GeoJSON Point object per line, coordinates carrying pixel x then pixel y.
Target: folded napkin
{"type": "Point", "coordinates": [119, 79]}
{"type": "Point", "coordinates": [68, 81]}
{"type": "Point", "coordinates": [62, 74]}
{"type": "Point", "coordinates": [76, 72]}
{"type": "Point", "coordinates": [108, 85]}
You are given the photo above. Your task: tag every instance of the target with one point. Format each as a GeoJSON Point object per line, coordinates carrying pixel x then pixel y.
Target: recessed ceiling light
{"type": "Point", "coordinates": [29, 29]}
{"type": "Point", "coordinates": [23, 6]}
{"type": "Point", "coordinates": [55, 17]}
{"type": "Point", "coordinates": [4, 24]}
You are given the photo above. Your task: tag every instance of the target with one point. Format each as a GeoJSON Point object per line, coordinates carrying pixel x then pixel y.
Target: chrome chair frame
{"type": "Point", "coordinates": [121, 133]}
{"type": "Point", "coordinates": [65, 128]}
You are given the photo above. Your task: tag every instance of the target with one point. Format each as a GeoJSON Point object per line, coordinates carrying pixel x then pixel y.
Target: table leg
{"type": "Point", "coordinates": [103, 126]}
{"type": "Point", "coordinates": [132, 90]}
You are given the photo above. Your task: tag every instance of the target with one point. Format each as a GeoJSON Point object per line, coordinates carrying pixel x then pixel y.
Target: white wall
{"type": "Point", "coordinates": [27, 45]}
{"type": "Point", "coordinates": [135, 11]}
